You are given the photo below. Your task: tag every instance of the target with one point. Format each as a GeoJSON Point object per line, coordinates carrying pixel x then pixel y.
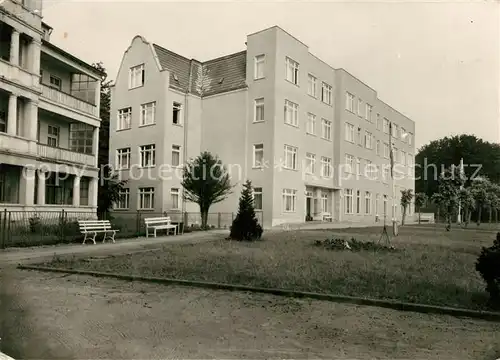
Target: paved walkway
{"type": "Point", "coordinates": [14, 256]}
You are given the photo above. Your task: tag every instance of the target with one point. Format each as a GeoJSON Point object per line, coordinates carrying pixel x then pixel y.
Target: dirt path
{"type": "Point", "coordinates": [54, 316]}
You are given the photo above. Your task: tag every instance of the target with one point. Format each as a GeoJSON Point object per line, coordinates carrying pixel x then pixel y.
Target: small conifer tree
{"type": "Point", "coordinates": [246, 226]}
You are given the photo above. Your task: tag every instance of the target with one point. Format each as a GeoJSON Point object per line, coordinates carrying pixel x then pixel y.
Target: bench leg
{"type": "Point", "coordinates": [93, 238]}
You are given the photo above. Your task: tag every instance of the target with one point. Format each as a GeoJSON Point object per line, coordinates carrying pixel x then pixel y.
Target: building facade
{"type": "Point", "coordinates": [302, 131]}
{"type": "Point", "coordinates": [49, 118]}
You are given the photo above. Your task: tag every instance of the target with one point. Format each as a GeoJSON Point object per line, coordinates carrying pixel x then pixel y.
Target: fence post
{"type": "Point", "coordinates": [218, 221]}
{"type": "Point", "coordinates": [2, 232]}
{"type": "Point", "coordinates": [7, 233]}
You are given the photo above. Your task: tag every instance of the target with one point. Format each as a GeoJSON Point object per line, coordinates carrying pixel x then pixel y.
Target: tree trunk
{"type": "Point", "coordinates": [479, 213]}
{"type": "Point", "coordinates": [418, 215]}
{"type": "Point", "coordinates": [490, 215]}
{"type": "Point", "coordinates": [450, 213]}
{"type": "Point", "coordinates": [469, 219]}
{"type": "Point", "coordinates": [404, 216]}
{"type": "Point", "coordinates": [204, 219]}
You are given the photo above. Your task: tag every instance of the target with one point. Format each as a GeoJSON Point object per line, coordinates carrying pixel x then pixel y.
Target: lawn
{"type": "Point", "coordinates": [430, 266]}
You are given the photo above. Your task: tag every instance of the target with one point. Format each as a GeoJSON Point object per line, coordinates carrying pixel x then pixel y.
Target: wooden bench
{"type": "Point", "coordinates": [159, 223]}
{"type": "Point", "coordinates": [426, 217]}
{"type": "Point", "coordinates": [327, 217]}
{"type": "Point", "coordinates": [90, 228]}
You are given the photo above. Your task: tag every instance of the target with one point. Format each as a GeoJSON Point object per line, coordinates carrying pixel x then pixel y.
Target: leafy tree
{"type": "Point", "coordinates": [206, 182]}
{"type": "Point", "coordinates": [420, 200]}
{"type": "Point", "coordinates": [467, 203]}
{"type": "Point", "coordinates": [406, 197]}
{"type": "Point", "coordinates": [109, 191]}
{"type": "Point", "coordinates": [479, 190]}
{"type": "Point", "coordinates": [246, 226]}
{"type": "Point", "coordinates": [487, 266]}
{"type": "Point", "coordinates": [448, 189]}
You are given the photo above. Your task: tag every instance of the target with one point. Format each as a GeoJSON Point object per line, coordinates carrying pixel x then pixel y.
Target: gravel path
{"type": "Point", "coordinates": [54, 316]}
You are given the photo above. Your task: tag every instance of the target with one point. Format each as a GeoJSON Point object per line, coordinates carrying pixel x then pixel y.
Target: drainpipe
{"type": "Point", "coordinates": [185, 133]}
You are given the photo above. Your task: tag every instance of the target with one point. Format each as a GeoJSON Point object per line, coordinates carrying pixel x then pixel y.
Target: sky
{"type": "Point", "coordinates": [436, 62]}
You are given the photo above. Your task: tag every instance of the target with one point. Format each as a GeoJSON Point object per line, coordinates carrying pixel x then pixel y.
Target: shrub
{"type": "Point", "coordinates": [35, 223]}
{"type": "Point", "coordinates": [245, 225]}
{"type": "Point", "coordinates": [488, 265]}
{"type": "Point", "coordinates": [352, 244]}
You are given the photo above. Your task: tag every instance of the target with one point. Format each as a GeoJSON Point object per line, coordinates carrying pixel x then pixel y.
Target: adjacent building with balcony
{"type": "Point", "coordinates": [302, 131]}
{"type": "Point", "coordinates": [49, 117]}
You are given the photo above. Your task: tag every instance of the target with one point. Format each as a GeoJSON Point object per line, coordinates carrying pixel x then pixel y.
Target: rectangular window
{"type": "Point", "coordinates": [369, 169]}
{"type": "Point", "coordinates": [349, 102]}
{"type": "Point", "coordinates": [312, 85]}
{"type": "Point", "coordinates": [326, 93]}
{"type": "Point", "coordinates": [368, 202]}
{"type": "Point", "coordinates": [147, 155]}
{"type": "Point", "coordinates": [289, 200]}
{"type": "Point", "coordinates": [348, 201]}
{"type": "Point", "coordinates": [176, 113]}
{"type": "Point", "coordinates": [377, 201]}
{"type": "Point", "coordinates": [410, 139]}
{"type": "Point", "coordinates": [349, 163]}
{"type": "Point", "coordinates": [359, 138]}
{"type": "Point", "coordinates": [385, 205]}
{"type": "Point", "coordinates": [403, 132]}
{"type": "Point", "coordinates": [3, 121]}
{"type": "Point", "coordinates": [326, 167]}
{"type": "Point", "coordinates": [385, 173]}
{"type": "Point", "coordinates": [292, 71]}
{"type": "Point", "coordinates": [81, 138]}
{"type": "Point", "coordinates": [369, 112]}
{"type": "Point", "coordinates": [84, 191]}
{"type": "Point", "coordinates": [396, 155]}
{"type": "Point", "coordinates": [358, 202]}
{"type": "Point", "coordinates": [326, 129]}
{"type": "Point", "coordinates": [377, 148]}
{"type": "Point", "coordinates": [360, 107]}
{"type": "Point", "coordinates": [379, 122]}
{"type": "Point", "coordinates": [123, 158]}
{"type": "Point", "coordinates": [146, 198]}
{"type": "Point", "coordinates": [311, 124]}
{"type": "Point", "coordinates": [291, 113]}
{"type": "Point", "coordinates": [136, 76]}
{"type": "Point", "coordinates": [386, 126]}
{"type": "Point", "coordinates": [259, 110]}
{"type": "Point", "coordinates": [310, 163]}
{"type": "Point", "coordinates": [176, 155]}
{"type": "Point", "coordinates": [358, 166]}
{"type": "Point", "coordinates": [123, 202]}
{"type": "Point", "coordinates": [259, 66]}
{"type": "Point", "coordinates": [53, 136]}
{"type": "Point", "coordinates": [290, 157]}
{"type": "Point", "coordinates": [349, 132]}
{"type": "Point", "coordinates": [368, 140]}
{"type": "Point", "coordinates": [403, 157]}
{"type": "Point", "coordinates": [55, 82]}
{"type": "Point", "coordinates": [410, 165]}
{"type": "Point", "coordinates": [258, 155]}
{"type": "Point", "coordinates": [148, 113]}
{"type": "Point", "coordinates": [124, 118]}
{"type": "Point", "coordinates": [386, 150]}
{"type": "Point", "coordinates": [324, 202]}
{"type": "Point", "coordinates": [394, 130]}
{"type": "Point", "coordinates": [176, 199]}
{"type": "Point", "coordinates": [257, 198]}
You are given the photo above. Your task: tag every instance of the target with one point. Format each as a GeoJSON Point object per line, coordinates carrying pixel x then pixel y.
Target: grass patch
{"type": "Point", "coordinates": [435, 268]}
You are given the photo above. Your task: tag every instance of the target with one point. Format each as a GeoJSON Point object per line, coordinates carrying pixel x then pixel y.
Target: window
{"type": "Point", "coordinates": [326, 129]}
{"type": "Point", "coordinates": [83, 87]}
{"type": "Point", "coordinates": [290, 157]}
{"type": "Point", "coordinates": [379, 122]}
{"type": "Point", "coordinates": [410, 165]}
{"type": "Point", "coordinates": [358, 166]}
{"type": "Point", "coordinates": [326, 167]}
{"type": "Point", "coordinates": [123, 199]}
{"type": "Point", "coordinates": [386, 150]}
{"type": "Point", "coordinates": [385, 205]}
{"type": "Point", "coordinates": [147, 155]}
{"type": "Point", "coordinates": [81, 138]}
{"type": "Point", "coordinates": [377, 200]}
{"type": "Point", "coordinates": [394, 130]}
{"type": "Point", "coordinates": [403, 131]}
{"type": "Point", "coordinates": [385, 176]}
{"type": "Point", "coordinates": [176, 155]}
{"type": "Point", "coordinates": [386, 126]}
{"type": "Point", "coordinates": [326, 93]}
{"type": "Point", "coordinates": [368, 202]}
{"type": "Point", "coordinates": [368, 140]}
{"type": "Point", "coordinates": [176, 199]}
{"type": "Point", "coordinates": [358, 202]}
{"type": "Point", "coordinates": [377, 148]}
{"type": "Point", "coordinates": [311, 124]}
{"type": "Point", "coordinates": [84, 190]}
{"type": "Point", "coordinates": [291, 113]}
{"type": "Point", "coordinates": [369, 111]}
{"type": "Point", "coordinates": [55, 82]}
{"type": "Point", "coordinates": [349, 162]}
{"type": "Point", "coordinates": [403, 157]}
{"type": "Point", "coordinates": [292, 71]}
{"type": "Point", "coordinates": [368, 169]}
{"type": "Point", "coordinates": [289, 200]}
{"type": "Point", "coordinates": [3, 121]}
{"type": "Point", "coordinates": [358, 136]}
{"type": "Point", "coordinates": [349, 132]}
{"type": "Point", "coordinates": [58, 189]}
{"type": "Point", "coordinates": [257, 198]}
{"type": "Point", "coordinates": [176, 113]}
{"type": "Point", "coordinates": [360, 107]}
{"type": "Point", "coordinates": [53, 136]}
{"type": "Point", "coordinates": [148, 113]}
{"type": "Point", "coordinates": [123, 158]}
{"type": "Point", "coordinates": [310, 163]}
{"type": "Point", "coordinates": [311, 85]}
{"type": "Point", "coordinates": [396, 155]}
{"type": "Point", "coordinates": [259, 110]}
{"type": "Point", "coordinates": [258, 155]}
{"type": "Point", "coordinates": [146, 198]}
{"type": "Point", "coordinates": [259, 66]}
{"type": "Point", "coordinates": [324, 202]}
{"type": "Point", "coordinates": [136, 76]}
{"type": "Point", "coordinates": [124, 118]}
{"type": "Point", "coordinates": [348, 201]}
{"type": "Point", "coordinates": [349, 102]}
{"type": "Point", "coordinates": [410, 139]}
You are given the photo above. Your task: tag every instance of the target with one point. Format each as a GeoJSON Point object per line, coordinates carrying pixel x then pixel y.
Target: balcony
{"type": "Point", "coordinates": [18, 75]}
{"type": "Point", "coordinates": [14, 144]}
{"type": "Point", "coordinates": [65, 155]}
{"type": "Point", "coordinates": [29, 11]}
{"type": "Point", "coordinates": [68, 100]}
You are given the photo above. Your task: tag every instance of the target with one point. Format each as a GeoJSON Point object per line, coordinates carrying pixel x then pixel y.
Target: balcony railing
{"type": "Point", "coordinates": [14, 144]}
{"type": "Point", "coordinates": [18, 75]}
{"type": "Point", "coordinates": [68, 100]}
{"type": "Point", "coordinates": [54, 153]}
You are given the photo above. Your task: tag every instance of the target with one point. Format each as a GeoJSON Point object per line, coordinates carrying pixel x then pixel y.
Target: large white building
{"type": "Point", "coordinates": [49, 117]}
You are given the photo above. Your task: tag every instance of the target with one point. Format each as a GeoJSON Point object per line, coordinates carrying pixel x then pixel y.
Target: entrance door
{"type": "Point", "coordinates": [308, 206]}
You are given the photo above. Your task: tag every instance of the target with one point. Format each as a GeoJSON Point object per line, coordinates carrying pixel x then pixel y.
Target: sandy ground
{"type": "Point", "coordinates": [54, 316]}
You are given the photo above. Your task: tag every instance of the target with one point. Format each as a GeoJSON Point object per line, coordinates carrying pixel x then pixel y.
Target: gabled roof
{"type": "Point", "coordinates": [215, 76]}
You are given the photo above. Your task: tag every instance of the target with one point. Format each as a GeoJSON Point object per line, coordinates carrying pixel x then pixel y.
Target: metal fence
{"type": "Point", "coordinates": [34, 228]}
